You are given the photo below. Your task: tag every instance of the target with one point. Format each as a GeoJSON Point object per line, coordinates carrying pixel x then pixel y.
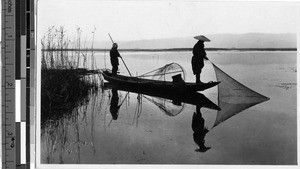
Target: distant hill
{"type": "Point", "coordinates": [249, 40]}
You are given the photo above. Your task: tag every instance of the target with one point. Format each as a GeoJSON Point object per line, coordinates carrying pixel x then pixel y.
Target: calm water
{"type": "Point", "coordinates": [144, 134]}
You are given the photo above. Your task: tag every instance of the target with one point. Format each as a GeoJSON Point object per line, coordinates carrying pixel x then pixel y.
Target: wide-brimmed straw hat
{"type": "Point", "coordinates": [202, 38]}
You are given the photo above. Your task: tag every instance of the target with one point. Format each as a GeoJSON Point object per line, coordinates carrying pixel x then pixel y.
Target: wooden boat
{"type": "Point", "coordinates": [192, 98]}
{"type": "Point", "coordinates": [149, 84]}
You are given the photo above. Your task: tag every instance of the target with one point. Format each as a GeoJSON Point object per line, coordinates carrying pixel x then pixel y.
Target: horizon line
{"type": "Point", "coordinates": [186, 36]}
{"type": "Point", "coordinates": [174, 49]}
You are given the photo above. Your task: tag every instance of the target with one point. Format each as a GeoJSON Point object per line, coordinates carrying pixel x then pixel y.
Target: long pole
{"type": "Point", "coordinates": [126, 67]}
{"type": "Point", "coordinates": [121, 56]}
{"type": "Point", "coordinates": [111, 38]}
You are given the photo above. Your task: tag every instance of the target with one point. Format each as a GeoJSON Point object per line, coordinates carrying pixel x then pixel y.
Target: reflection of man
{"type": "Point", "coordinates": [199, 130]}
{"type": "Point", "coordinates": [114, 107]}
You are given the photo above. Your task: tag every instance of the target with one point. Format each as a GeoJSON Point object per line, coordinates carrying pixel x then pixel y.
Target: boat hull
{"type": "Point", "coordinates": [149, 84]}
{"type": "Point", "coordinates": [193, 98]}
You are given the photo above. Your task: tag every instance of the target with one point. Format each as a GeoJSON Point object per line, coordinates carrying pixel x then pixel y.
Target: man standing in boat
{"type": "Point", "coordinates": [199, 55]}
{"type": "Point", "coordinates": [114, 54]}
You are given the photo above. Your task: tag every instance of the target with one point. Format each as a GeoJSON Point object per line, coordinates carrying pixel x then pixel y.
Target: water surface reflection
{"type": "Point", "coordinates": [199, 130]}
{"type": "Point", "coordinates": [72, 137]}
{"type": "Point", "coordinates": [144, 133]}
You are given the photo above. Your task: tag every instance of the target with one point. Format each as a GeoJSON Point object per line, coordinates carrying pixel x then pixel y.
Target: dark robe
{"type": "Point", "coordinates": [114, 104]}
{"type": "Point", "coordinates": [114, 54]}
{"type": "Point", "coordinates": [199, 55]}
{"type": "Point", "coordinates": [199, 130]}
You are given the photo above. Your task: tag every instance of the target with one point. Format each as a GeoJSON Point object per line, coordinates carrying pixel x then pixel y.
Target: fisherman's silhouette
{"type": "Point", "coordinates": [199, 130]}
{"type": "Point", "coordinates": [199, 55]}
{"type": "Point", "coordinates": [114, 104]}
{"type": "Point", "coordinates": [114, 54]}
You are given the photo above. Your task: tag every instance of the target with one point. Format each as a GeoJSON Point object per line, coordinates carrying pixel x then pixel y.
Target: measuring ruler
{"type": "Point", "coordinates": [18, 60]}
{"type": "Point", "coordinates": [8, 84]}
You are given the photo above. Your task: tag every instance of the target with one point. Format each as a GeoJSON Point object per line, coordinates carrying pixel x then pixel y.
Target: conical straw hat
{"type": "Point", "coordinates": [202, 38]}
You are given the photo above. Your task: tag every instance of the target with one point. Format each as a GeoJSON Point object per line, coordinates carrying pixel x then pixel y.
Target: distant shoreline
{"type": "Point", "coordinates": [178, 49]}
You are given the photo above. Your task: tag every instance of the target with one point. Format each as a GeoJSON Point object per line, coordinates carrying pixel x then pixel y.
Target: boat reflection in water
{"type": "Point", "coordinates": [174, 98]}
{"type": "Point", "coordinates": [233, 98]}
{"type": "Point", "coordinates": [161, 98]}
{"type": "Point", "coordinates": [65, 139]}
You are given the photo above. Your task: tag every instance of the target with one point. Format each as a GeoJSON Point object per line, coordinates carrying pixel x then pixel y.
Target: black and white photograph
{"type": "Point", "coordinates": [167, 82]}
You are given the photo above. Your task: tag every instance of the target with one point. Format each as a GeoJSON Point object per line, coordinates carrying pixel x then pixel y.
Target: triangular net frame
{"type": "Point", "coordinates": [167, 106]}
{"type": "Point", "coordinates": [166, 72]}
{"type": "Point", "coordinates": [233, 97]}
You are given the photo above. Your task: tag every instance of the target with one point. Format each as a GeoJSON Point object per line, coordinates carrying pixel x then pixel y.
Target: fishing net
{"type": "Point", "coordinates": [233, 97]}
{"type": "Point", "coordinates": [169, 72]}
{"type": "Point", "coordinates": [169, 107]}
{"type": "Point", "coordinates": [166, 72]}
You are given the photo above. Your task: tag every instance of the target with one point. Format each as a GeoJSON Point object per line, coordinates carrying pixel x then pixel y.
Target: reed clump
{"type": "Point", "coordinates": [67, 77]}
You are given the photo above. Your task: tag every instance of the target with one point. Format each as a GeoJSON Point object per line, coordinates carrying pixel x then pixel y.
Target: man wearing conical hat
{"type": "Point", "coordinates": [199, 55]}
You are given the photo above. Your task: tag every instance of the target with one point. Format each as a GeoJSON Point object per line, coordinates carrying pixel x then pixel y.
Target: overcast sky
{"type": "Point", "coordinates": [133, 20]}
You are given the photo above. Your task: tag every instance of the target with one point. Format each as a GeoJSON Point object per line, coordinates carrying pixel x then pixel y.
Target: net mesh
{"type": "Point", "coordinates": [166, 72]}
{"type": "Point", "coordinates": [233, 97]}
{"type": "Point", "coordinates": [169, 107]}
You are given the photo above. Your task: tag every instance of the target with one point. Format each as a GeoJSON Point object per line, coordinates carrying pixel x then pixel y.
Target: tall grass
{"type": "Point", "coordinates": [61, 52]}
{"type": "Point", "coordinates": [68, 76]}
